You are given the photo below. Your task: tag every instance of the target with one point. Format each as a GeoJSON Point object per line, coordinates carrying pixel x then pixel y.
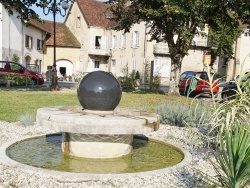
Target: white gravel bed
{"type": "Point", "coordinates": [186, 177]}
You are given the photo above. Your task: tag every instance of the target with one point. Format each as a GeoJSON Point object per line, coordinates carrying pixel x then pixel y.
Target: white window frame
{"type": "Point", "coordinates": [123, 41]}
{"type": "Point", "coordinates": [135, 39]}
{"type": "Point", "coordinates": [114, 41]}
{"type": "Point", "coordinates": [121, 67]}
{"type": "Point", "coordinates": [134, 65]}
{"type": "Point", "coordinates": [28, 41]}
{"type": "Point", "coordinates": [39, 44]}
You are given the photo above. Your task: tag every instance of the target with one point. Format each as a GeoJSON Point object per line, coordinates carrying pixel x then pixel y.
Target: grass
{"type": "Point", "coordinates": [16, 103]}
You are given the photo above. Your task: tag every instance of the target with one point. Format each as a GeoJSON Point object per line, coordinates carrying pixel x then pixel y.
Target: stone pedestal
{"type": "Point", "coordinates": [96, 146]}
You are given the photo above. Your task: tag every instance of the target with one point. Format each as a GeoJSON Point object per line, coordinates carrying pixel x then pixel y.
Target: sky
{"type": "Point", "coordinates": [39, 11]}
{"type": "Point", "coordinates": [59, 18]}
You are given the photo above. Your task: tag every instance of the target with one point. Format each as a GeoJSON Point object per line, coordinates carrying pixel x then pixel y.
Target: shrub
{"type": "Point", "coordinates": [26, 119]}
{"type": "Point", "coordinates": [233, 158]}
{"type": "Point", "coordinates": [20, 80]}
{"type": "Point", "coordinates": [15, 58]}
{"type": "Point", "coordinates": [178, 114]}
{"type": "Point", "coordinates": [137, 75]}
{"type": "Point", "coordinates": [156, 82]}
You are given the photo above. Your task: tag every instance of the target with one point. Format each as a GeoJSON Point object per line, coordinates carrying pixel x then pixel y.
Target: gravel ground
{"type": "Point", "coordinates": [186, 177]}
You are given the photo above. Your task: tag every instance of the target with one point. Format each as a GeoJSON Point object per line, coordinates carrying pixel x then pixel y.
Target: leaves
{"type": "Point", "coordinates": [233, 157]}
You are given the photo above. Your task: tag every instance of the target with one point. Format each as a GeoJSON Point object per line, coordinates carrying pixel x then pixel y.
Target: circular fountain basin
{"type": "Point", "coordinates": [44, 152]}
{"type": "Point", "coordinates": [95, 134]}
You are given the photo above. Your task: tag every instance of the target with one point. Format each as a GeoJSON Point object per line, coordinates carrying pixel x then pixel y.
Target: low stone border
{"type": "Point", "coordinates": [77, 177]}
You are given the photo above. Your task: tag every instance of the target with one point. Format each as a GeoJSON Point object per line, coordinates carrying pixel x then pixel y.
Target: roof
{"type": "Point", "coordinates": [37, 24]}
{"type": "Point", "coordinates": [64, 37]}
{"type": "Point", "coordinates": [93, 12]}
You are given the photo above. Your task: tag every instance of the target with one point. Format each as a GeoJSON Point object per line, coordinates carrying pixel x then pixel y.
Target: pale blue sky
{"type": "Point", "coordinates": [59, 18]}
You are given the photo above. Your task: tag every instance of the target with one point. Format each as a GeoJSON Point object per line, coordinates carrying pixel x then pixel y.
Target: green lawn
{"type": "Point", "coordinates": [17, 103]}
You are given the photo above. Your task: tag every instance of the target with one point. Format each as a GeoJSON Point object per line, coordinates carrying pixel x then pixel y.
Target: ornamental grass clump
{"type": "Point", "coordinates": [179, 114]}
{"type": "Point", "coordinates": [233, 158]}
{"type": "Point", "coordinates": [230, 132]}
{"type": "Point", "coordinates": [27, 119]}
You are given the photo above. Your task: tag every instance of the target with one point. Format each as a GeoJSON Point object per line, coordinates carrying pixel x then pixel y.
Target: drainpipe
{"type": "Point", "coordinates": [144, 54]}
{"type": "Point", "coordinates": [9, 36]}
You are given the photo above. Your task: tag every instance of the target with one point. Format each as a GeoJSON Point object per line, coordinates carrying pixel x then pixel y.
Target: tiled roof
{"type": "Point", "coordinates": [37, 24]}
{"type": "Point", "coordinates": [64, 37]}
{"type": "Point", "coordinates": [93, 12]}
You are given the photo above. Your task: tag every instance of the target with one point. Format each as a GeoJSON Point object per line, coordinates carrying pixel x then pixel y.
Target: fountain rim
{"type": "Point", "coordinates": [75, 177]}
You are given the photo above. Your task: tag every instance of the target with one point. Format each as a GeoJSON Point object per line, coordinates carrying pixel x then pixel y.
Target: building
{"type": "Point", "coordinates": [103, 48]}
{"type": "Point", "coordinates": [21, 40]}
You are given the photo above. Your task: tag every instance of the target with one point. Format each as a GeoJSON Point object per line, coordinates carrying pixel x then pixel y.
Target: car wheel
{"type": "Point", "coordinates": [181, 93]}
{"type": "Point", "coordinates": [192, 94]}
{"type": "Point", "coordinates": [32, 82]}
{"type": "Point", "coordinates": [224, 96]}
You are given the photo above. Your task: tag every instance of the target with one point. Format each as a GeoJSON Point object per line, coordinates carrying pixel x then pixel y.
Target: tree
{"type": "Point", "coordinates": [24, 7]}
{"type": "Point", "coordinates": [178, 21]}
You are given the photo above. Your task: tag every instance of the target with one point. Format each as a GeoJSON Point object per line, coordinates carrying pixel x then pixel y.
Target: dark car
{"type": "Point", "coordinates": [16, 68]}
{"type": "Point", "coordinates": [230, 90]}
{"type": "Point", "coordinates": [196, 82]}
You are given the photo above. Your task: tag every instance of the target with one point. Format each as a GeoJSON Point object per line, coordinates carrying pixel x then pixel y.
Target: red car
{"type": "Point", "coordinates": [196, 82]}
{"type": "Point", "coordinates": [16, 68]}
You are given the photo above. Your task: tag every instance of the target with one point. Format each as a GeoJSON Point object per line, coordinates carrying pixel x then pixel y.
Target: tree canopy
{"type": "Point", "coordinates": [178, 21]}
{"type": "Point", "coordinates": [25, 7]}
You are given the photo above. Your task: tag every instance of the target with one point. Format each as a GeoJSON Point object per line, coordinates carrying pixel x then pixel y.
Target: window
{"type": "Point", "coordinates": [135, 39]}
{"type": "Point", "coordinates": [134, 65]}
{"type": "Point", "coordinates": [97, 64]}
{"type": "Point", "coordinates": [123, 41]}
{"type": "Point", "coordinates": [39, 44]}
{"type": "Point", "coordinates": [2, 65]}
{"type": "Point", "coordinates": [121, 67]}
{"type": "Point", "coordinates": [98, 42]}
{"type": "Point", "coordinates": [28, 41]}
{"type": "Point", "coordinates": [15, 67]}
{"type": "Point", "coordinates": [114, 41]}
{"type": "Point", "coordinates": [113, 65]}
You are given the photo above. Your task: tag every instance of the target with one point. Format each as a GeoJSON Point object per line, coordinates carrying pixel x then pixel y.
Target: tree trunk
{"type": "Point", "coordinates": [174, 76]}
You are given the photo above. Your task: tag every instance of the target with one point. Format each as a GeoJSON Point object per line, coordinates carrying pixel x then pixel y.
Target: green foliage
{"type": "Point", "coordinates": [230, 128]}
{"type": "Point", "coordinates": [20, 80]}
{"type": "Point", "coordinates": [181, 114]}
{"type": "Point", "coordinates": [156, 83]}
{"type": "Point", "coordinates": [137, 75]}
{"type": "Point", "coordinates": [233, 157]}
{"type": "Point", "coordinates": [127, 81]}
{"type": "Point", "coordinates": [25, 9]}
{"type": "Point", "coordinates": [15, 58]}
{"type": "Point", "coordinates": [177, 22]}
{"type": "Point", "coordinates": [15, 104]}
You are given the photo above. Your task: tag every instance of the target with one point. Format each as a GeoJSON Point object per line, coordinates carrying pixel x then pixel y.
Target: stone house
{"type": "Point", "coordinates": [16, 37]}
{"type": "Point", "coordinates": [103, 48]}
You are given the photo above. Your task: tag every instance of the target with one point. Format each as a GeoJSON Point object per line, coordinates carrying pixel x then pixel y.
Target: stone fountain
{"type": "Point", "coordinates": [97, 129]}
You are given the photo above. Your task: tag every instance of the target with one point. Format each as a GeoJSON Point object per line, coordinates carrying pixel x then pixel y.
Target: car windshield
{"type": "Point", "coordinates": [204, 76]}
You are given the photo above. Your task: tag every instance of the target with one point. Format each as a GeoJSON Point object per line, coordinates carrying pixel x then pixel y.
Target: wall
{"type": "Point", "coordinates": [68, 54]}
{"type": "Point", "coordinates": [11, 35]}
{"type": "Point", "coordinates": [33, 53]}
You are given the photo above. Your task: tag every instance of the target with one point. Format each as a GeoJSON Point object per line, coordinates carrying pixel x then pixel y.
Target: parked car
{"type": "Point", "coordinates": [196, 82]}
{"type": "Point", "coordinates": [229, 91]}
{"type": "Point", "coordinates": [16, 68]}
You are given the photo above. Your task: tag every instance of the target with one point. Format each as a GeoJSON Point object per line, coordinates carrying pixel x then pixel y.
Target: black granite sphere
{"type": "Point", "coordinates": [100, 91]}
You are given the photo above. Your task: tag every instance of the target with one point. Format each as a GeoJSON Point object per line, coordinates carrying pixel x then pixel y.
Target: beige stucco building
{"type": "Point", "coordinates": [102, 48]}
